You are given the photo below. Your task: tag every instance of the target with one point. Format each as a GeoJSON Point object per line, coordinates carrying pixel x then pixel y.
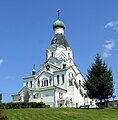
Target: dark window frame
{"type": "Point", "coordinates": [63, 80]}
{"type": "Point", "coordinates": [58, 79]}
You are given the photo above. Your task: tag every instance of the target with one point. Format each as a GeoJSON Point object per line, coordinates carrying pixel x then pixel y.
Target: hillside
{"type": "Point", "coordinates": [61, 114]}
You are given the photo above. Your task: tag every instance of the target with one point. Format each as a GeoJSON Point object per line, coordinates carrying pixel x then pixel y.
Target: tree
{"type": "Point", "coordinates": [99, 84]}
{"type": "Point", "coordinates": [0, 97]}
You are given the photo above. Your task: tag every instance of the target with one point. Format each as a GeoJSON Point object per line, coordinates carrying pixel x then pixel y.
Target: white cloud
{"type": "Point", "coordinates": [1, 61]}
{"type": "Point", "coordinates": [107, 48]}
{"type": "Point", "coordinates": [112, 24]}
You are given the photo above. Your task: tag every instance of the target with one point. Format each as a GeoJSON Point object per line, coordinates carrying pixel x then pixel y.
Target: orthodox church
{"type": "Point", "coordinates": [58, 83]}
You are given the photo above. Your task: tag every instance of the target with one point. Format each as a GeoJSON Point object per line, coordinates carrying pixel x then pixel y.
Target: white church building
{"type": "Point", "coordinates": [58, 83]}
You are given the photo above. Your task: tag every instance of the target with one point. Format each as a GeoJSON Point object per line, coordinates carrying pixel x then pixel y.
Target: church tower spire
{"type": "Point", "coordinates": [59, 47]}
{"type": "Point", "coordinates": [59, 25]}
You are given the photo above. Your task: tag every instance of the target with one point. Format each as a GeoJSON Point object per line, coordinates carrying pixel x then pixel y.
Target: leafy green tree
{"type": "Point", "coordinates": [99, 84]}
{"type": "Point", "coordinates": [0, 97]}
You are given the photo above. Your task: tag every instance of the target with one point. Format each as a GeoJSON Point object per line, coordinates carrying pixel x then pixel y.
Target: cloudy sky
{"type": "Point", "coordinates": [26, 32]}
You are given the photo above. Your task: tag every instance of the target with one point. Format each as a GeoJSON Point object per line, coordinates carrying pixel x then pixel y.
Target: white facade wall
{"type": "Point", "coordinates": [45, 96]}
{"type": "Point", "coordinates": [61, 84]}
{"type": "Point", "coordinates": [59, 31]}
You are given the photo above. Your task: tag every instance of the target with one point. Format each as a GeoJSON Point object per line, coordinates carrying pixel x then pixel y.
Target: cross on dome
{"type": "Point", "coordinates": [58, 14]}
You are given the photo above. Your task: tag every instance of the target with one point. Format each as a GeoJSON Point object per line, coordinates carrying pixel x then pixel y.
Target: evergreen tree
{"type": "Point", "coordinates": [99, 84]}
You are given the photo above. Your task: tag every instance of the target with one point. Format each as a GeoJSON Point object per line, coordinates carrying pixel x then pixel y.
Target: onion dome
{"type": "Point", "coordinates": [34, 70]}
{"type": "Point", "coordinates": [58, 23]}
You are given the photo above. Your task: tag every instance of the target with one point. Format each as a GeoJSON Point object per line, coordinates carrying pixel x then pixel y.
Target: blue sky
{"type": "Point", "coordinates": [26, 32]}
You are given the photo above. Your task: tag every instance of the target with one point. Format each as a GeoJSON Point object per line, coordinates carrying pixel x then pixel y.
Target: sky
{"type": "Point", "coordinates": [26, 32]}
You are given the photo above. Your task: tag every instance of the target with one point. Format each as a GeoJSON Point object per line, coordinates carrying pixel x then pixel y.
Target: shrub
{"type": "Point", "coordinates": [18, 105]}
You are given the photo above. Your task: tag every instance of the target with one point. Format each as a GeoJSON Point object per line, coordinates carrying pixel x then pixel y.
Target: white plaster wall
{"type": "Point", "coordinates": [45, 96]}
{"type": "Point", "coordinates": [57, 91]}
{"type": "Point", "coordinates": [60, 53]}
{"type": "Point", "coordinates": [60, 73]}
{"type": "Point", "coordinates": [16, 98]}
{"type": "Point", "coordinates": [74, 92]}
{"type": "Point", "coordinates": [59, 31]}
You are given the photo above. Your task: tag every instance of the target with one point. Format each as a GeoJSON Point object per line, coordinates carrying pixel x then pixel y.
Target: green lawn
{"type": "Point", "coordinates": [61, 114]}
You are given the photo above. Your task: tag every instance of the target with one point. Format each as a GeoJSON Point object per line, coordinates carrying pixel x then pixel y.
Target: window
{"type": "Point", "coordinates": [34, 96]}
{"type": "Point", "coordinates": [70, 62]}
{"type": "Point", "coordinates": [60, 95]}
{"type": "Point", "coordinates": [57, 79]}
{"type": "Point", "coordinates": [50, 80]}
{"type": "Point", "coordinates": [31, 83]}
{"type": "Point", "coordinates": [70, 82]}
{"type": "Point", "coordinates": [64, 66]}
{"type": "Point", "coordinates": [76, 105]}
{"type": "Point", "coordinates": [45, 82]}
{"type": "Point", "coordinates": [62, 78]}
{"type": "Point", "coordinates": [60, 105]}
{"type": "Point", "coordinates": [47, 67]}
{"type": "Point", "coordinates": [52, 54]}
{"type": "Point", "coordinates": [42, 83]}
{"type": "Point", "coordinates": [70, 74]}
{"type": "Point", "coordinates": [27, 84]}
{"type": "Point", "coordinates": [68, 55]}
{"type": "Point", "coordinates": [38, 83]}
{"type": "Point", "coordinates": [79, 82]}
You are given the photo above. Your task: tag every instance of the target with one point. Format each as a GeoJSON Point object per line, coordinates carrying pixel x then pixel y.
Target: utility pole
{"type": "Point", "coordinates": [113, 100]}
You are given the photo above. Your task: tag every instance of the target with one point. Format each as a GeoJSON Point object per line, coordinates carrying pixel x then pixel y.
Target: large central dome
{"type": "Point", "coordinates": [58, 23]}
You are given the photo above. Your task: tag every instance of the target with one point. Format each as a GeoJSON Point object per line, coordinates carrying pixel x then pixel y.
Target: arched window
{"type": "Point", "coordinates": [31, 83]}
{"type": "Point", "coordinates": [42, 83]}
{"type": "Point", "coordinates": [70, 82]}
{"type": "Point", "coordinates": [45, 82]}
{"type": "Point", "coordinates": [50, 80]}
{"type": "Point", "coordinates": [68, 55]}
{"type": "Point", "coordinates": [57, 79]}
{"type": "Point", "coordinates": [90, 102]}
{"type": "Point", "coordinates": [70, 74]}
{"type": "Point", "coordinates": [62, 78]}
{"type": "Point", "coordinates": [38, 83]}
{"type": "Point", "coordinates": [60, 95]}
{"type": "Point", "coordinates": [27, 84]}
{"type": "Point", "coordinates": [52, 54]}
{"type": "Point", "coordinates": [79, 82]}
{"type": "Point", "coordinates": [64, 66]}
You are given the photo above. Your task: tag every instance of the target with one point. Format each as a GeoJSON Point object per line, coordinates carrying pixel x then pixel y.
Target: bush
{"type": "Point", "coordinates": [19, 105]}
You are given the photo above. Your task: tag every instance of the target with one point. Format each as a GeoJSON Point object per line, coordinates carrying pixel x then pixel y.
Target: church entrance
{"type": "Point", "coordinates": [61, 103]}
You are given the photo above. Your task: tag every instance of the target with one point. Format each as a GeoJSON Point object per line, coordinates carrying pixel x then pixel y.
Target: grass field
{"type": "Point", "coordinates": [61, 114]}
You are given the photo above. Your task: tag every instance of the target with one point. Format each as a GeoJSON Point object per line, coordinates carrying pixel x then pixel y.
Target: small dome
{"type": "Point", "coordinates": [58, 23]}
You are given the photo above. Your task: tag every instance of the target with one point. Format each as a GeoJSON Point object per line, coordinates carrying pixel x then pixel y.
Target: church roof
{"type": "Point", "coordinates": [60, 39]}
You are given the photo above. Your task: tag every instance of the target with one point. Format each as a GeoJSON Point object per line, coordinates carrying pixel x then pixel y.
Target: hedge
{"type": "Point", "coordinates": [19, 105]}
